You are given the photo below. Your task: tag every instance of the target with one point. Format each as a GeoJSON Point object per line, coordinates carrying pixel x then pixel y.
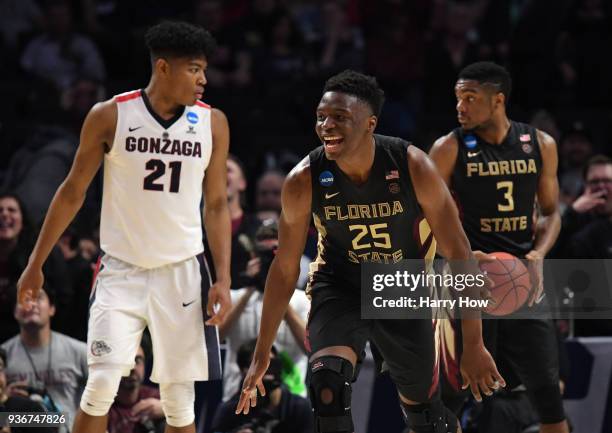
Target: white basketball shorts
{"type": "Point", "coordinates": [171, 301]}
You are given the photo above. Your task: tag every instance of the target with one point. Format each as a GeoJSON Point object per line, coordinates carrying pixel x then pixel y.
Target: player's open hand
{"type": "Point", "coordinates": [535, 265]}
{"type": "Point", "coordinates": [219, 303]}
{"type": "Point", "coordinates": [479, 371]}
{"type": "Point", "coordinates": [28, 287]}
{"type": "Point", "coordinates": [252, 383]}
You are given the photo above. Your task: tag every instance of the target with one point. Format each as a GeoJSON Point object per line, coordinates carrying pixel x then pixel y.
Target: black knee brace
{"type": "Point", "coordinates": [330, 394]}
{"type": "Point", "coordinates": [431, 417]}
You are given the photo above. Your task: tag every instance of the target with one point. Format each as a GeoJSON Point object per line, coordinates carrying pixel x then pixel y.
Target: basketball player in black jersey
{"type": "Point", "coordinates": [368, 194]}
{"type": "Point", "coordinates": [501, 172]}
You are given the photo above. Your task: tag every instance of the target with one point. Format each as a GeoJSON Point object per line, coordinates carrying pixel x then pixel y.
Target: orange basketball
{"type": "Point", "coordinates": [512, 284]}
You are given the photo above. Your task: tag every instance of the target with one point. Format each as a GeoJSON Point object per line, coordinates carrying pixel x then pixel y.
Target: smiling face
{"type": "Point", "coordinates": [184, 76]}
{"type": "Point", "coordinates": [11, 219]}
{"type": "Point", "coordinates": [344, 123]}
{"type": "Point", "coordinates": [477, 104]}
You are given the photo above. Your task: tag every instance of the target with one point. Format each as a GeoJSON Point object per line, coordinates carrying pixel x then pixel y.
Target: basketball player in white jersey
{"type": "Point", "coordinates": [162, 149]}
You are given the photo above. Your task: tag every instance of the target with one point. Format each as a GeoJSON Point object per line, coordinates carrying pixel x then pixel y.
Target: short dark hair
{"type": "Point", "coordinates": [178, 39]}
{"type": "Point", "coordinates": [595, 160]}
{"type": "Point", "coordinates": [489, 73]}
{"type": "Point", "coordinates": [364, 87]}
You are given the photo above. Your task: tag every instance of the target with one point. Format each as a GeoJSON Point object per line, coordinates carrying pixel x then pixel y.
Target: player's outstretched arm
{"type": "Point", "coordinates": [282, 277]}
{"type": "Point", "coordinates": [477, 366]}
{"type": "Point", "coordinates": [217, 219]}
{"type": "Point", "coordinates": [549, 221]}
{"type": "Point", "coordinates": [96, 135]}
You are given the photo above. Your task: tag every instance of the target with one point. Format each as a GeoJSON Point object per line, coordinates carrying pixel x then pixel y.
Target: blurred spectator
{"type": "Point", "coordinates": [17, 403]}
{"type": "Point", "coordinates": [16, 242]}
{"type": "Point", "coordinates": [279, 62]}
{"type": "Point", "coordinates": [43, 364]}
{"type": "Point", "coordinates": [231, 63]}
{"type": "Point", "coordinates": [593, 204]}
{"type": "Point", "coordinates": [455, 46]}
{"type": "Point", "coordinates": [279, 411]}
{"type": "Point", "coordinates": [244, 224]}
{"type": "Point", "coordinates": [545, 121]}
{"type": "Point", "coordinates": [242, 322]}
{"type": "Point", "coordinates": [18, 17]}
{"type": "Point", "coordinates": [61, 55]}
{"type": "Point", "coordinates": [494, 29]}
{"type": "Point", "coordinates": [583, 67]}
{"type": "Point", "coordinates": [340, 45]}
{"type": "Point", "coordinates": [268, 194]}
{"type": "Point", "coordinates": [137, 407]}
{"type": "Point", "coordinates": [41, 165]}
{"type": "Point", "coordinates": [593, 240]}
{"type": "Point", "coordinates": [533, 58]}
{"type": "Point", "coordinates": [79, 272]}
{"type": "Point", "coordinates": [575, 150]}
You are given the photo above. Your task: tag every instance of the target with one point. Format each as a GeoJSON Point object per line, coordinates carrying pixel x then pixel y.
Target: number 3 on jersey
{"type": "Point", "coordinates": [158, 168]}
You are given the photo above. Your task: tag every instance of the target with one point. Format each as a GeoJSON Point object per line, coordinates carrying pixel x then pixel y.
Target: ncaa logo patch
{"type": "Point", "coordinates": [326, 178]}
{"type": "Point", "coordinates": [470, 141]}
{"type": "Point", "coordinates": [192, 117]}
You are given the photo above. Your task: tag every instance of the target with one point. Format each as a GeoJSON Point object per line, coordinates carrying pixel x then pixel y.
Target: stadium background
{"type": "Point", "coordinates": [60, 57]}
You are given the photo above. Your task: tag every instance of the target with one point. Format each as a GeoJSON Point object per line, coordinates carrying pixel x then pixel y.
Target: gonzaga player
{"type": "Point", "coordinates": [157, 144]}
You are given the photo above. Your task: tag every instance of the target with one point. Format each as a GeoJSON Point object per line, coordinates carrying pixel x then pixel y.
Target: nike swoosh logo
{"type": "Point", "coordinates": [134, 129]}
{"type": "Point", "coordinates": [188, 303]}
{"type": "Point", "coordinates": [332, 195]}
{"type": "Point", "coordinates": [473, 154]}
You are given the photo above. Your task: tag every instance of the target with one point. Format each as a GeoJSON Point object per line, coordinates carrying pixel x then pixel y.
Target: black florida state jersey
{"type": "Point", "coordinates": [495, 188]}
{"type": "Point", "coordinates": [377, 222]}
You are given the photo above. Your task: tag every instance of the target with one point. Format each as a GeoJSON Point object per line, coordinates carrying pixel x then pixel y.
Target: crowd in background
{"type": "Point", "coordinates": [59, 57]}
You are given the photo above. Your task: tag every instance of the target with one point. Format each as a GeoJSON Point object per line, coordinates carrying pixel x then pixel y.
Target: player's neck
{"type": "Point", "coordinates": [164, 106]}
{"type": "Point", "coordinates": [38, 337]}
{"type": "Point", "coordinates": [359, 165]}
{"type": "Point", "coordinates": [496, 131]}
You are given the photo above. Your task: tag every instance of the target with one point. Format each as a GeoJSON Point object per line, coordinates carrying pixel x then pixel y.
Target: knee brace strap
{"type": "Point", "coordinates": [431, 417]}
{"type": "Point", "coordinates": [332, 375]}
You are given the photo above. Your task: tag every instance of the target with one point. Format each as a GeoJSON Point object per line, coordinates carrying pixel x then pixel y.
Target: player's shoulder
{"type": "Point", "coordinates": [446, 143]}
{"type": "Point", "coordinates": [299, 177]}
{"type": "Point", "coordinates": [103, 115]}
{"type": "Point", "coordinates": [545, 139]}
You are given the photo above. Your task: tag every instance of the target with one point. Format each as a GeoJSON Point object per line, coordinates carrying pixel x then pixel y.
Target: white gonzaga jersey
{"type": "Point", "coordinates": [153, 183]}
